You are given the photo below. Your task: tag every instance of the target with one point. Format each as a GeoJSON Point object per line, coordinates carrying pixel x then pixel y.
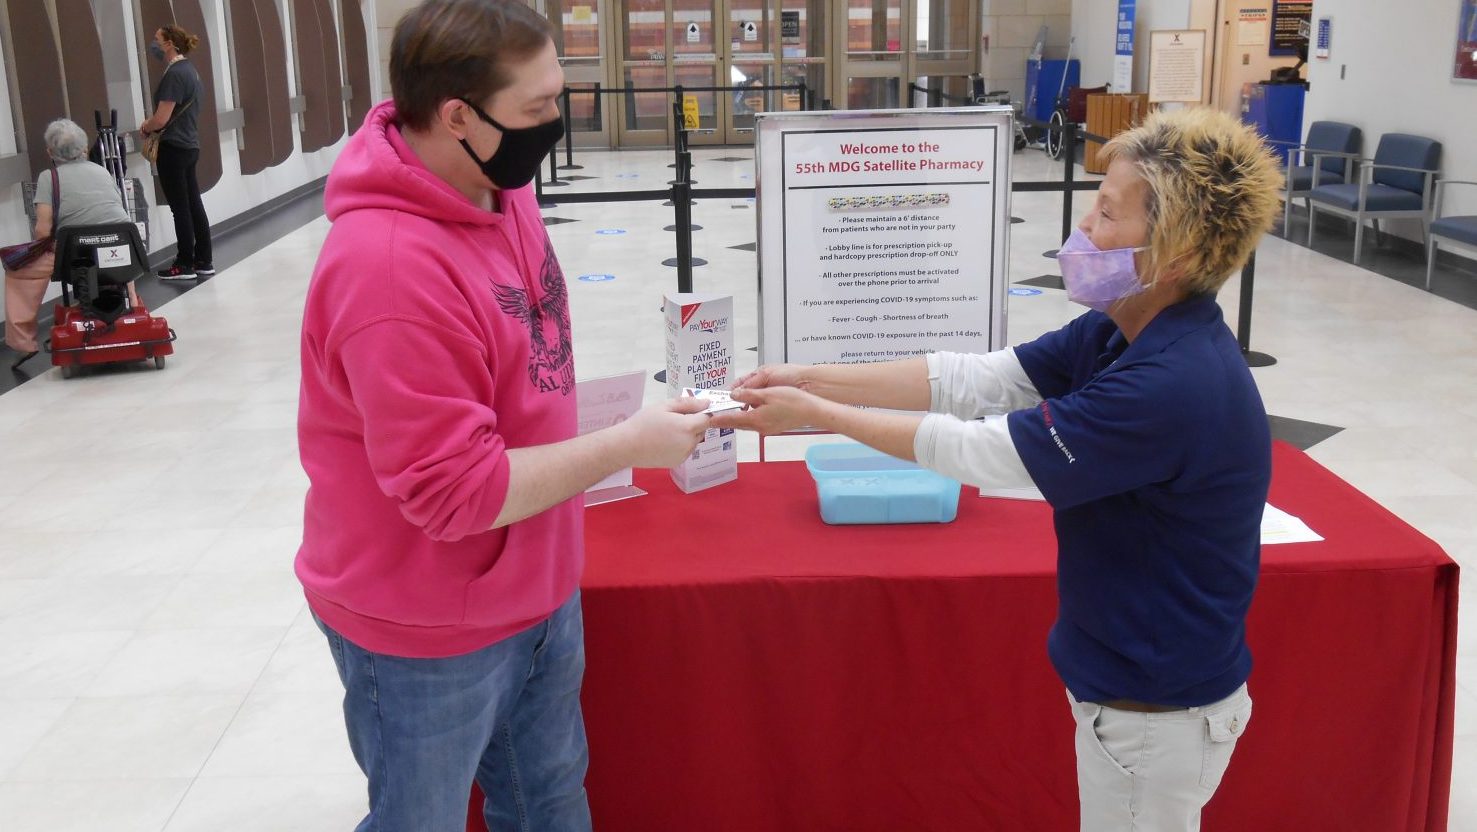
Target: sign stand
{"type": "Point", "coordinates": [882, 234]}
{"type": "Point", "coordinates": [604, 402]}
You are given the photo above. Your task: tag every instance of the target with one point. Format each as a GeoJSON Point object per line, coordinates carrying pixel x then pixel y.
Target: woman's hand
{"type": "Point", "coordinates": [773, 409]}
{"type": "Point", "coordinates": [775, 375]}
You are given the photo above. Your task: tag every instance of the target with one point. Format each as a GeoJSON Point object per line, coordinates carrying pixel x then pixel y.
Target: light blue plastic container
{"type": "Point", "coordinates": [857, 484]}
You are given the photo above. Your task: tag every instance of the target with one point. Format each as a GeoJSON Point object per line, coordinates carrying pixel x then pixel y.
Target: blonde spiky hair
{"type": "Point", "coordinates": [1214, 189]}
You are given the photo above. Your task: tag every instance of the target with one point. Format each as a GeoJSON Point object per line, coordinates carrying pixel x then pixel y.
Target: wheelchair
{"type": "Point", "coordinates": [982, 96]}
{"type": "Point", "coordinates": [1070, 109]}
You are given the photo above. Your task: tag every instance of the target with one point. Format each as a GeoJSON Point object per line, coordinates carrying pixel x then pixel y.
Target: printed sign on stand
{"type": "Point", "coordinates": [882, 234]}
{"type": "Point", "coordinates": [606, 402]}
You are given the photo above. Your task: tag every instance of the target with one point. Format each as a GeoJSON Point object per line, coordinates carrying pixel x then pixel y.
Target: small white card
{"type": "Point", "coordinates": [605, 402]}
{"type": "Point", "coordinates": [718, 400]}
{"type": "Point", "coordinates": [113, 256]}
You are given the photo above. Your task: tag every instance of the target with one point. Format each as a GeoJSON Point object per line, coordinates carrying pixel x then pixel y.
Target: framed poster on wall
{"type": "Point", "coordinates": [1177, 66]}
{"type": "Point", "coordinates": [1464, 68]}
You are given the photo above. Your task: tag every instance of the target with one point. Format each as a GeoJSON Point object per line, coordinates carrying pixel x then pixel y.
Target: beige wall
{"type": "Point", "coordinates": [1011, 26]}
{"type": "Point", "coordinates": [1390, 71]}
{"type": "Point", "coordinates": [387, 14]}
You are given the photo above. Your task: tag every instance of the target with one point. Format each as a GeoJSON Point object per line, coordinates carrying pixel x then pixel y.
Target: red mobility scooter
{"type": "Point", "coordinates": [98, 320]}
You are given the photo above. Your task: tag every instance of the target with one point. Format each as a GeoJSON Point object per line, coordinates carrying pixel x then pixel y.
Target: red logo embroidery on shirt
{"type": "Point", "coordinates": [1055, 437]}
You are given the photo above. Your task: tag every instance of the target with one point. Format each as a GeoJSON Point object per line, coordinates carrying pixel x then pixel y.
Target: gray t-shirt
{"type": "Point", "coordinates": [89, 195]}
{"type": "Point", "coordinates": [181, 84]}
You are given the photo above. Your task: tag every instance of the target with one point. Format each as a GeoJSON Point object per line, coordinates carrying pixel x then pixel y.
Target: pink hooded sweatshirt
{"type": "Point", "coordinates": [436, 337]}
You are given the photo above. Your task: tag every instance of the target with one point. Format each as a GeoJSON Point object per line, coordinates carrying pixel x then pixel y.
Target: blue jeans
{"type": "Point", "coordinates": [507, 716]}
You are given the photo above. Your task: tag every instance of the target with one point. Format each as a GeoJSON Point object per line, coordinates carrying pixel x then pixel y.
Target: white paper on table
{"type": "Point", "coordinates": [1280, 527]}
{"type": "Point", "coordinates": [1024, 493]}
{"type": "Point", "coordinates": [605, 402]}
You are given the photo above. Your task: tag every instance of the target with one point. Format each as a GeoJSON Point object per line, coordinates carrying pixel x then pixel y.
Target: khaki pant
{"type": "Point", "coordinates": [24, 290]}
{"type": "Point", "coordinates": [1153, 772]}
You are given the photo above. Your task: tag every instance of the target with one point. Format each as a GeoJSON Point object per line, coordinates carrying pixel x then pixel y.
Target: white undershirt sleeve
{"type": "Point", "coordinates": [969, 386]}
{"type": "Point", "coordinates": [979, 453]}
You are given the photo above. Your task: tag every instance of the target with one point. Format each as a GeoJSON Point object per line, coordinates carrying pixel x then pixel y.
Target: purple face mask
{"type": "Point", "coordinates": [1095, 278]}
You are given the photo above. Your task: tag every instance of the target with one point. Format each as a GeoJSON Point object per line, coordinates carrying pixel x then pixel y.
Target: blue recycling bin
{"type": "Point", "coordinates": [1276, 112]}
{"type": "Point", "coordinates": [1046, 79]}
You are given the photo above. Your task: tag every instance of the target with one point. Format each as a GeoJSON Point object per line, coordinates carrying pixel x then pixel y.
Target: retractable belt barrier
{"type": "Point", "coordinates": [681, 194]}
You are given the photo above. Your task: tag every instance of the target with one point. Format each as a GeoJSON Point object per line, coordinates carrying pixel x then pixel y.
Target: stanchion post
{"type": "Point", "coordinates": [682, 208]}
{"type": "Point", "coordinates": [1069, 173]}
{"type": "Point", "coordinates": [568, 131]}
{"type": "Point", "coordinates": [1243, 318]}
{"type": "Point", "coordinates": [804, 93]}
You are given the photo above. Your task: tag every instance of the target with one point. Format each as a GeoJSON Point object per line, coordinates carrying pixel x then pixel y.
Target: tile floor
{"type": "Point", "coordinates": [158, 670]}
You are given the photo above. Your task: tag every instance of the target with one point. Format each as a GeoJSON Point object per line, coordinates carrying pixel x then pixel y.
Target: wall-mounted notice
{"type": "Point", "coordinates": [1251, 27]}
{"type": "Point", "coordinates": [1290, 22]}
{"type": "Point", "coordinates": [882, 234]}
{"type": "Point", "coordinates": [1177, 66]}
{"type": "Point", "coordinates": [1325, 38]}
{"type": "Point", "coordinates": [1123, 46]}
{"type": "Point", "coordinates": [790, 26]}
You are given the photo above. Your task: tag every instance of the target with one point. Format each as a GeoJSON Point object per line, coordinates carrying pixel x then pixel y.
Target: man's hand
{"type": "Point", "coordinates": [775, 375]}
{"type": "Point", "coordinates": [663, 435]}
{"type": "Point", "coordinates": [773, 410]}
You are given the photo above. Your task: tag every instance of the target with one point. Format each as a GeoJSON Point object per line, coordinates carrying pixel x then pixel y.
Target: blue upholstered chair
{"type": "Point", "coordinates": [1458, 232]}
{"type": "Point", "coordinates": [1338, 146]}
{"type": "Point", "coordinates": [1398, 183]}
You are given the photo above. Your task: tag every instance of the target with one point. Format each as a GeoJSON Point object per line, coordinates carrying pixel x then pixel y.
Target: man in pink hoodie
{"type": "Point", "coordinates": [443, 529]}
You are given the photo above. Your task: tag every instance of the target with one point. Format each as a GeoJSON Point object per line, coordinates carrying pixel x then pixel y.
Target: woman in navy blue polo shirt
{"type": "Point", "coordinates": [1141, 425]}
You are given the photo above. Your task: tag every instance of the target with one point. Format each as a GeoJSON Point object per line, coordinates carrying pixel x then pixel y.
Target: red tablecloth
{"type": "Point", "coordinates": [752, 669]}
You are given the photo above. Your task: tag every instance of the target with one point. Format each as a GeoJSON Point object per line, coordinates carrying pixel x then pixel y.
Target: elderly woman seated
{"type": "Point", "coordinates": [87, 195]}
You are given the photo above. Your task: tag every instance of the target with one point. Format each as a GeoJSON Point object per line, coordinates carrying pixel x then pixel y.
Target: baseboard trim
{"type": "Point", "coordinates": [231, 225]}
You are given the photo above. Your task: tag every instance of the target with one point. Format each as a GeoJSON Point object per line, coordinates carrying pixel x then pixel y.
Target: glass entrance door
{"type": "Point", "coordinates": [751, 63]}
{"type": "Point", "coordinates": [873, 66]}
{"type": "Point", "coordinates": [803, 50]}
{"type": "Point", "coordinates": [642, 118]}
{"type": "Point", "coordinates": [888, 46]}
{"type": "Point", "coordinates": [940, 52]}
{"type": "Point", "coordinates": [580, 42]}
{"type": "Point", "coordinates": [696, 58]}
{"type": "Point", "coordinates": [704, 44]}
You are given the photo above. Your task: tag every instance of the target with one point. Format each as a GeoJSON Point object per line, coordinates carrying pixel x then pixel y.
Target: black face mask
{"type": "Point", "coordinates": [517, 158]}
